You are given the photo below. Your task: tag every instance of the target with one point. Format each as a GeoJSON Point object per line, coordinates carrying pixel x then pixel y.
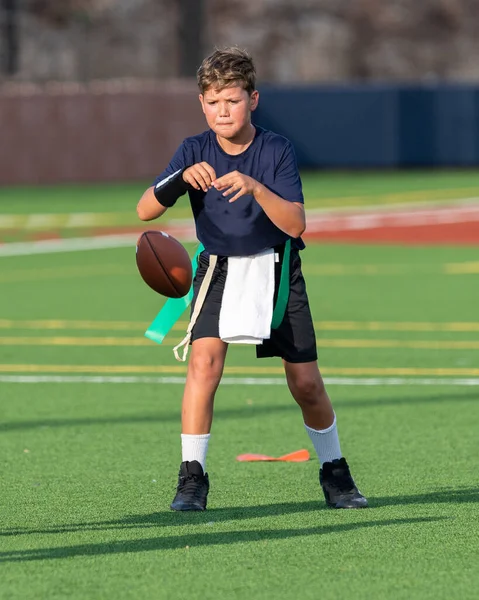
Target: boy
{"type": "Point", "coordinates": [247, 201]}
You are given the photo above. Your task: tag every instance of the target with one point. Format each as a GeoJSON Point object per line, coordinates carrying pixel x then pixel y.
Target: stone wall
{"type": "Point", "coordinates": [292, 41]}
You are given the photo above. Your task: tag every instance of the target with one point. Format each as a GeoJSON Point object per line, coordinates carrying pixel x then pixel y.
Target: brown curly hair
{"type": "Point", "coordinates": [227, 67]}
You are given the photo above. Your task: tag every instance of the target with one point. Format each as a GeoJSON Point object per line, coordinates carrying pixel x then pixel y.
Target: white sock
{"type": "Point", "coordinates": [195, 447]}
{"type": "Point", "coordinates": [325, 442]}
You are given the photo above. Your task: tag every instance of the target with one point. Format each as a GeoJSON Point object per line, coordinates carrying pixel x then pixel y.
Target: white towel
{"type": "Point", "coordinates": [247, 304]}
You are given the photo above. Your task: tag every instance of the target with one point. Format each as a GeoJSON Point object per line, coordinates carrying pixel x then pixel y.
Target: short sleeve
{"type": "Point", "coordinates": [287, 182]}
{"type": "Point", "coordinates": [177, 163]}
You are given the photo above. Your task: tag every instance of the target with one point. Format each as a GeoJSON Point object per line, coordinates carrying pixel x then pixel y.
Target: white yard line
{"type": "Point", "coordinates": [463, 211]}
{"type": "Point", "coordinates": [374, 218]}
{"type": "Point", "coordinates": [68, 245]}
{"type": "Point", "coordinates": [344, 381]}
{"type": "Point", "coordinates": [42, 221]}
{"type": "Point", "coordinates": [396, 206]}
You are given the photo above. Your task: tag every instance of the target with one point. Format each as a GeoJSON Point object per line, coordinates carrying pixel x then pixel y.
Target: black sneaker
{"type": "Point", "coordinates": [193, 487]}
{"type": "Point", "coordinates": [338, 486]}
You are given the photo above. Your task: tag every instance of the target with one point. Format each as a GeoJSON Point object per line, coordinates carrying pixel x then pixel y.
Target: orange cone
{"type": "Point", "coordinates": [297, 456]}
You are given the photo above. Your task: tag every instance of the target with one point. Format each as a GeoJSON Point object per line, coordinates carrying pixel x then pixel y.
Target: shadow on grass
{"type": "Point", "coordinates": [237, 513]}
{"type": "Point", "coordinates": [246, 412]}
{"type": "Point", "coordinates": [198, 540]}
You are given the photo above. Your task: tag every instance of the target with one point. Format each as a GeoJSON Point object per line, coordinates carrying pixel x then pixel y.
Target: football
{"type": "Point", "coordinates": [164, 264]}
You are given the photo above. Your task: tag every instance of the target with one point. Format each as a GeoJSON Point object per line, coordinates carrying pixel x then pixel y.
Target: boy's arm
{"type": "Point", "coordinates": [166, 188]}
{"type": "Point", "coordinates": [158, 198]}
{"type": "Point", "coordinates": [148, 207]}
{"type": "Point", "coordinates": [286, 215]}
{"type": "Point", "coordinates": [282, 201]}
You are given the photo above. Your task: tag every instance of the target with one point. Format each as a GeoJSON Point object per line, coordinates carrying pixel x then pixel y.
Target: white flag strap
{"type": "Point", "coordinates": [204, 287]}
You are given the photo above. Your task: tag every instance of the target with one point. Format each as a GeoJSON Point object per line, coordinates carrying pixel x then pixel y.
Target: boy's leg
{"type": "Point", "coordinates": [295, 341]}
{"type": "Point", "coordinates": [205, 369]}
{"type": "Point", "coordinates": [307, 387]}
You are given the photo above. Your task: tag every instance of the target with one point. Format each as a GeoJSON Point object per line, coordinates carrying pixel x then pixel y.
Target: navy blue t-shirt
{"type": "Point", "coordinates": [240, 228]}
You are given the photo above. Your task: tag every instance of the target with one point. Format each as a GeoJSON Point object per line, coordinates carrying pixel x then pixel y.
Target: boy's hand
{"type": "Point", "coordinates": [236, 182]}
{"type": "Point", "coordinates": [200, 176]}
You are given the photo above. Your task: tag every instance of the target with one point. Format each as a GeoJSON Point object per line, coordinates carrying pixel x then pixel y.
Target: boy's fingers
{"type": "Point", "coordinates": [200, 176]}
{"type": "Point", "coordinates": [231, 189]}
{"type": "Point", "coordinates": [196, 180]}
{"type": "Point", "coordinates": [236, 196]}
{"type": "Point", "coordinates": [201, 179]}
{"type": "Point", "coordinates": [205, 174]}
{"type": "Point", "coordinates": [225, 181]}
{"type": "Point", "coordinates": [225, 178]}
{"type": "Point", "coordinates": [228, 179]}
{"type": "Point", "coordinates": [209, 169]}
{"type": "Point", "coordinates": [239, 192]}
{"type": "Point", "coordinates": [191, 181]}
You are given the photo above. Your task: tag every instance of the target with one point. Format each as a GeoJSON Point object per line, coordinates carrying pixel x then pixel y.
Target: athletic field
{"type": "Point", "coordinates": [90, 409]}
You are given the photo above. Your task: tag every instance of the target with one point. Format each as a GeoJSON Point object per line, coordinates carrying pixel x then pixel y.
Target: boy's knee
{"type": "Point", "coordinates": [308, 390]}
{"type": "Point", "coordinates": [205, 366]}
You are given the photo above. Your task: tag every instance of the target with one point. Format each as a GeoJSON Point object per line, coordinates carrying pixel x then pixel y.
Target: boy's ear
{"type": "Point", "coordinates": [202, 102]}
{"type": "Point", "coordinates": [253, 100]}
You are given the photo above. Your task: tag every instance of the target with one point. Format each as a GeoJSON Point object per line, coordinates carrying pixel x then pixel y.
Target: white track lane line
{"type": "Point", "coordinates": [348, 381]}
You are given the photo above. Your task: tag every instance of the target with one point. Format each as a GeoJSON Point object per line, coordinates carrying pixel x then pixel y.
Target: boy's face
{"type": "Point", "coordinates": [228, 111]}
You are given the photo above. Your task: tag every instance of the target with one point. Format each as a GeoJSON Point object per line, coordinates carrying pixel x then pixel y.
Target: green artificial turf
{"type": "Point", "coordinates": [89, 469]}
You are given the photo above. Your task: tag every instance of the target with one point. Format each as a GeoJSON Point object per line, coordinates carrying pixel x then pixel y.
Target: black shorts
{"type": "Point", "coordinates": [294, 340]}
